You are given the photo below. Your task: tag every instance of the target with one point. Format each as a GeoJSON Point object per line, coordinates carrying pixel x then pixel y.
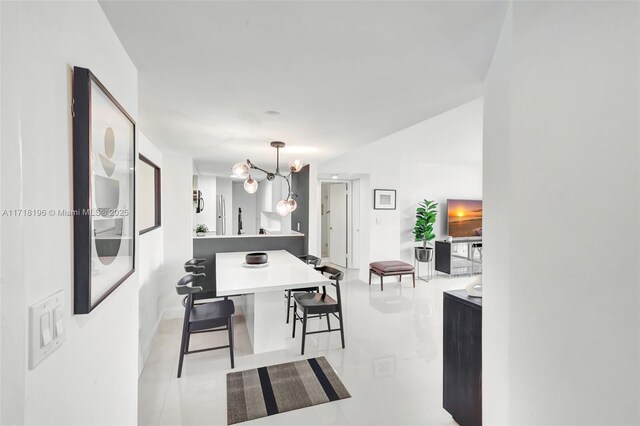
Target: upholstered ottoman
{"type": "Point", "coordinates": [390, 268]}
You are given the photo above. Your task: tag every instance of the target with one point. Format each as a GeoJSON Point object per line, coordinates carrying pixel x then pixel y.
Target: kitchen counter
{"type": "Point", "coordinates": [270, 234]}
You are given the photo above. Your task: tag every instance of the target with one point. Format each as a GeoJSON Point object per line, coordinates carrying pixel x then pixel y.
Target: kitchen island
{"type": "Point", "coordinates": [206, 248]}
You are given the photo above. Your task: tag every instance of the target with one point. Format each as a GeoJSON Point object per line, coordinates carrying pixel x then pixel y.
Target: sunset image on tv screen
{"type": "Point", "coordinates": [465, 218]}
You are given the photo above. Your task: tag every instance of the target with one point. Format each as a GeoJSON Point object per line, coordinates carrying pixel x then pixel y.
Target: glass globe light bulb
{"type": "Point", "coordinates": [295, 165]}
{"type": "Point", "coordinates": [292, 205]}
{"type": "Point", "coordinates": [240, 170]}
{"type": "Point", "coordinates": [282, 208]}
{"type": "Point", "coordinates": [250, 185]}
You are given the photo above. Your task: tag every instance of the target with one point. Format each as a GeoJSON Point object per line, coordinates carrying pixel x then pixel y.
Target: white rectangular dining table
{"type": "Point", "coordinates": [262, 292]}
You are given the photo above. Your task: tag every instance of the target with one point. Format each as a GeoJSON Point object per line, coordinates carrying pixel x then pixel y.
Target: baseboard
{"type": "Point", "coordinates": [146, 346]}
{"type": "Point", "coordinates": [167, 313]}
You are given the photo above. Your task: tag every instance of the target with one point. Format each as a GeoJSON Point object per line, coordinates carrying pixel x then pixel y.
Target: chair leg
{"type": "Point", "coordinates": [230, 327]}
{"type": "Point", "coordinates": [341, 328]}
{"type": "Point", "coordinates": [400, 279]}
{"type": "Point", "coordinates": [184, 342]}
{"type": "Point", "coordinates": [414, 279]}
{"type": "Point", "coordinates": [369, 276]}
{"type": "Point", "coordinates": [304, 329]}
{"type": "Point", "coordinates": [288, 304]}
{"type": "Point", "coordinates": [328, 323]}
{"type": "Point", "coordinates": [381, 284]}
{"type": "Point", "coordinates": [295, 311]}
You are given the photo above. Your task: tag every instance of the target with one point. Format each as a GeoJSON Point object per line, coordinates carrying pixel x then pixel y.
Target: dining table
{"type": "Point", "coordinates": [261, 289]}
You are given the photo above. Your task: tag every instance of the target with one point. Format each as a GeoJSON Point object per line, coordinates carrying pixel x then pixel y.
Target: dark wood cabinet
{"type": "Point", "coordinates": [443, 257]}
{"type": "Point", "coordinates": [462, 357]}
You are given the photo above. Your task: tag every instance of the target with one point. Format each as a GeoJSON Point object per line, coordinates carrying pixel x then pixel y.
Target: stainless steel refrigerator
{"type": "Point", "coordinates": [221, 216]}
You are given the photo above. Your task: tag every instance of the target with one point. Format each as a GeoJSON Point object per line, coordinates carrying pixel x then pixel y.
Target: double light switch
{"type": "Point", "coordinates": [47, 330]}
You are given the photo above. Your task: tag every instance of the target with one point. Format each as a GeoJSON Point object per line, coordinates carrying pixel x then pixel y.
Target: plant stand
{"type": "Point", "coordinates": [428, 262]}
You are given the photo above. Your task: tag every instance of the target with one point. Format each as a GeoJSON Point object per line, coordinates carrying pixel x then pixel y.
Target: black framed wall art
{"type": "Point", "coordinates": [149, 203]}
{"type": "Point", "coordinates": [384, 199]}
{"type": "Point", "coordinates": [104, 147]}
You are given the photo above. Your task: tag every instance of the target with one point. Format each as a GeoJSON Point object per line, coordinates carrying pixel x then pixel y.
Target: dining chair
{"type": "Point", "coordinates": [316, 305]}
{"type": "Point", "coordinates": [202, 318]}
{"type": "Point", "coordinates": [309, 260]}
{"type": "Point", "coordinates": [198, 266]}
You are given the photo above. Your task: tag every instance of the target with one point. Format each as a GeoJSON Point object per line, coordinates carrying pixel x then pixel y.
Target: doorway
{"type": "Point", "coordinates": [334, 222]}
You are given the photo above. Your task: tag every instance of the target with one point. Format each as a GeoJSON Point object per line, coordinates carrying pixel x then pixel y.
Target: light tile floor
{"type": "Point", "coordinates": [392, 364]}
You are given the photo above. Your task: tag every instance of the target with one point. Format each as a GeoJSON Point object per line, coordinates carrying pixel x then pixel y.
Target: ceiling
{"type": "Point", "coordinates": [341, 74]}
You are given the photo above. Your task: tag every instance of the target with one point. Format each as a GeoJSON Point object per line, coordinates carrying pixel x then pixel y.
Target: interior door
{"type": "Point", "coordinates": [338, 224]}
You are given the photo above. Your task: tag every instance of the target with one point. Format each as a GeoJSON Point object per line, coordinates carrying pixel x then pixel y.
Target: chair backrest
{"type": "Point", "coordinates": [310, 259]}
{"type": "Point", "coordinates": [194, 265]}
{"type": "Point", "coordinates": [334, 274]}
{"type": "Point", "coordinates": [185, 286]}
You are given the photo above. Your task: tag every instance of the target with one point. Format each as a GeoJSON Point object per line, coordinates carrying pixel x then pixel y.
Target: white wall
{"type": "Point", "coordinates": [151, 258]}
{"type": "Point", "coordinates": [247, 202]}
{"type": "Point", "coordinates": [498, 188]}
{"type": "Point", "coordinates": [92, 378]}
{"type": "Point", "coordinates": [561, 328]}
{"type": "Point", "coordinates": [177, 204]}
{"type": "Point", "coordinates": [436, 159]}
{"type": "Point", "coordinates": [1, 276]}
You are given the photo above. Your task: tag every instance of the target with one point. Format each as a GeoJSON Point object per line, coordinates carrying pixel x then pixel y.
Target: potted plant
{"type": "Point", "coordinates": [423, 230]}
{"type": "Point", "coordinates": [201, 230]}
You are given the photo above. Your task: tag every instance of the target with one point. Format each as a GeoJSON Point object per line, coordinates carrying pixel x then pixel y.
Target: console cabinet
{"type": "Point", "coordinates": [462, 357]}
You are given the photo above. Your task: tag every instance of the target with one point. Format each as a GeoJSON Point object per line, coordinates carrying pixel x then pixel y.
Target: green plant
{"type": "Point", "coordinates": [425, 219]}
{"type": "Point", "coordinates": [201, 228]}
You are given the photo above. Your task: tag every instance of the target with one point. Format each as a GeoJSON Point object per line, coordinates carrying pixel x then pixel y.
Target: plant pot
{"type": "Point", "coordinates": [423, 254]}
{"type": "Point", "coordinates": [201, 234]}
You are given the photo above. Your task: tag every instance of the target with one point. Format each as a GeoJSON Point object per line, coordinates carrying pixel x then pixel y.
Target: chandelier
{"type": "Point", "coordinates": [242, 170]}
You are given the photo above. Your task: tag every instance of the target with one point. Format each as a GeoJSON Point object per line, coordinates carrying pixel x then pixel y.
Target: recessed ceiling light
{"type": "Point", "coordinates": [273, 113]}
{"type": "Point", "coordinates": [334, 176]}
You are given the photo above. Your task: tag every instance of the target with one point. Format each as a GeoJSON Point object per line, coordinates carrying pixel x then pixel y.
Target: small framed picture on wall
{"type": "Point", "coordinates": [384, 199]}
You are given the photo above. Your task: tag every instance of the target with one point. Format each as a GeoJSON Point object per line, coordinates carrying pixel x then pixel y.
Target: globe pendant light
{"type": "Point", "coordinates": [282, 208]}
{"type": "Point", "coordinates": [251, 185]}
{"type": "Point", "coordinates": [241, 170]}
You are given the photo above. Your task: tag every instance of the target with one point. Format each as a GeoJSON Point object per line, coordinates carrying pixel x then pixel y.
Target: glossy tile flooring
{"type": "Point", "coordinates": [392, 364]}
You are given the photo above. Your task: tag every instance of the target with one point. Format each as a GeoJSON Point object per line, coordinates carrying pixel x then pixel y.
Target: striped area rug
{"type": "Point", "coordinates": [265, 391]}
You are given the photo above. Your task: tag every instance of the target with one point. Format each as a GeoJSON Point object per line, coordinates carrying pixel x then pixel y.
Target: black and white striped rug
{"type": "Point", "coordinates": [265, 391]}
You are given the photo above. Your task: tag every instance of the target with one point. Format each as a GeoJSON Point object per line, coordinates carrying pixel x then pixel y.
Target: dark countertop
{"type": "Point", "coordinates": [464, 297]}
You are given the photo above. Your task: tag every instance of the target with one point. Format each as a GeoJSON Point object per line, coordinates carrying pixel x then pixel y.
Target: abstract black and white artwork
{"type": "Point", "coordinates": [384, 199]}
{"type": "Point", "coordinates": [104, 192]}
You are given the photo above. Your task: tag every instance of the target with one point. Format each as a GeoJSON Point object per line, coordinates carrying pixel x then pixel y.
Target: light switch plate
{"type": "Point", "coordinates": [46, 328]}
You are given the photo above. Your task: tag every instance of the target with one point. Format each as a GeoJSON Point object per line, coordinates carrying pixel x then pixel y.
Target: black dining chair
{"type": "Point", "coordinates": [309, 260]}
{"type": "Point", "coordinates": [315, 305]}
{"type": "Point", "coordinates": [203, 318]}
{"type": "Point", "coordinates": [198, 266]}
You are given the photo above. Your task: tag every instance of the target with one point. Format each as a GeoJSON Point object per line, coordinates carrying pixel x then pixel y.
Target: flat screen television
{"type": "Point", "coordinates": [464, 218]}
